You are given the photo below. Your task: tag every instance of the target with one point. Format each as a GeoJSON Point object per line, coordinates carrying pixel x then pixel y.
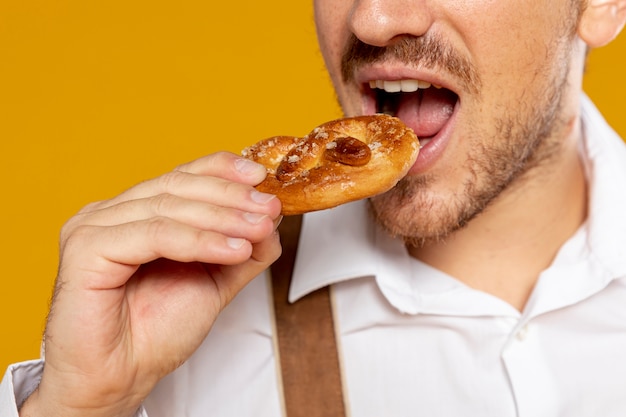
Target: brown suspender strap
{"type": "Point", "coordinates": [309, 359]}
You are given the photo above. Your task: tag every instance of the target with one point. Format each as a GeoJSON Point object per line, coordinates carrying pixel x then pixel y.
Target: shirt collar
{"type": "Point", "coordinates": [343, 243]}
{"type": "Point", "coordinates": [335, 245]}
{"type": "Point", "coordinates": [606, 166]}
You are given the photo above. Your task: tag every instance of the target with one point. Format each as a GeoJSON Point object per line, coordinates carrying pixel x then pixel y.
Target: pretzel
{"type": "Point", "coordinates": [339, 161]}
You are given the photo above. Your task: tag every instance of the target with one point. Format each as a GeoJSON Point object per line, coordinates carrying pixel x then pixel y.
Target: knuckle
{"type": "Point", "coordinates": [79, 219]}
{"type": "Point", "coordinates": [171, 181]}
{"type": "Point", "coordinates": [66, 229]}
{"type": "Point", "coordinates": [162, 204]}
{"type": "Point", "coordinates": [90, 207]}
{"type": "Point", "coordinates": [75, 237]}
{"type": "Point", "coordinates": [182, 167]}
{"type": "Point", "coordinates": [205, 164]}
{"type": "Point", "coordinates": [70, 227]}
{"type": "Point", "coordinates": [157, 227]}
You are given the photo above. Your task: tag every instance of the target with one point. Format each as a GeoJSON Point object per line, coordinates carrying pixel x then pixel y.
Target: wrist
{"type": "Point", "coordinates": [36, 406]}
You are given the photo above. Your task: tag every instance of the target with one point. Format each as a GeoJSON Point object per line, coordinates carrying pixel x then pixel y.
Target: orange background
{"type": "Point", "coordinates": [98, 95]}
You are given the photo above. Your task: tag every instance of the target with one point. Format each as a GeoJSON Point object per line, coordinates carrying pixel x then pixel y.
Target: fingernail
{"type": "Point", "coordinates": [235, 242]}
{"type": "Point", "coordinates": [254, 218]}
{"type": "Point", "coordinates": [261, 198]}
{"type": "Point", "coordinates": [248, 167]}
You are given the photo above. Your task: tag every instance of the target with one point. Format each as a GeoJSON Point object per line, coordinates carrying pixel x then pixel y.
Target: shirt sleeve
{"type": "Point", "coordinates": [19, 381]}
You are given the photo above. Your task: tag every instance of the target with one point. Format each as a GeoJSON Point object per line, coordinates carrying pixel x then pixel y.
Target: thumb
{"type": "Point", "coordinates": [232, 278]}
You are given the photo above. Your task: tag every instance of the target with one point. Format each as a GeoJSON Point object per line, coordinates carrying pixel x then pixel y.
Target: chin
{"type": "Point", "coordinates": [410, 212]}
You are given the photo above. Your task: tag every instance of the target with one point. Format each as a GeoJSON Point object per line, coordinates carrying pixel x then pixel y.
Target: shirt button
{"type": "Point", "coordinates": [522, 333]}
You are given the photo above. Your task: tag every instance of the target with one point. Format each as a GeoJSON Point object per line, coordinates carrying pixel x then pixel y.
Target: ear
{"type": "Point", "coordinates": [602, 21]}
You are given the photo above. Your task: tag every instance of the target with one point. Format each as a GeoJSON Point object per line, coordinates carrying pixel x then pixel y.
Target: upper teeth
{"type": "Point", "coordinates": [396, 86]}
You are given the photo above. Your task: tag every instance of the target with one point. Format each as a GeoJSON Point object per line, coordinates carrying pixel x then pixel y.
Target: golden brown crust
{"type": "Point", "coordinates": [340, 161]}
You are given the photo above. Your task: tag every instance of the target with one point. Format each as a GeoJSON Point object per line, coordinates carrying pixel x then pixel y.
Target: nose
{"type": "Point", "coordinates": [379, 22]}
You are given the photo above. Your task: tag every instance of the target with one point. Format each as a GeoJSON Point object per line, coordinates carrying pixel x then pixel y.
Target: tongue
{"type": "Point", "coordinates": [427, 111]}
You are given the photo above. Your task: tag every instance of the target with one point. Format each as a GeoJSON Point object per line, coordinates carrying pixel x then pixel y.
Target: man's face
{"type": "Point", "coordinates": [493, 98]}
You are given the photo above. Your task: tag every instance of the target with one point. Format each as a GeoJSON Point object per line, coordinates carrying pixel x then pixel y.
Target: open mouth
{"type": "Point", "coordinates": [424, 107]}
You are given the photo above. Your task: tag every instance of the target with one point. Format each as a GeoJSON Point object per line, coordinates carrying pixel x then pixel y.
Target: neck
{"type": "Point", "coordinates": [503, 251]}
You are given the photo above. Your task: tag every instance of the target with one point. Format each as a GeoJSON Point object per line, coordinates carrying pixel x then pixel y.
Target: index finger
{"type": "Point", "coordinates": [228, 166]}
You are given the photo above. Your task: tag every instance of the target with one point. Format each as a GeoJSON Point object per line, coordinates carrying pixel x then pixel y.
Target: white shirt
{"type": "Point", "coordinates": [416, 342]}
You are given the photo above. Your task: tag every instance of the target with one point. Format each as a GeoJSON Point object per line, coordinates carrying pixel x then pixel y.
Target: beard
{"type": "Point", "coordinates": [413, 212]}
{"type": "Point", "coordinates": [528, 138]}
{"type": "Point", "coordinates": [529, 134]}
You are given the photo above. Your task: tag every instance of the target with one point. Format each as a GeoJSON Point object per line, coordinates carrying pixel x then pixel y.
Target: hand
{"type": "Point", "coordinates": [142, 278]}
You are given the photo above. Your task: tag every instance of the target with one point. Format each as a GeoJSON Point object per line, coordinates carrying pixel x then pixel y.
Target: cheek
{"type": "Point", "coordinates": [513, 48]}
{"type": "Point", "coordinates": [503, 36]}
{"type": "Point", "coordinates": [331, 17]}
{"type": "Point", "coordinates": [330, 31]}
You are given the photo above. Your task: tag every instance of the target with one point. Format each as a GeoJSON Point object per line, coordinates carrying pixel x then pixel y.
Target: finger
{"type": "Point", "coordinates": [235, 222]}
{"type": "Point", "coordinates": [220, 188]}
{"type": "Point", "coordinates": [107, 256]}
{"type": "Point", "coordinates": [226, 165]}
{"type": "Point", "coordinates": [220, 201]}
{"type": "Point", "coordinates": [231, 279]}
